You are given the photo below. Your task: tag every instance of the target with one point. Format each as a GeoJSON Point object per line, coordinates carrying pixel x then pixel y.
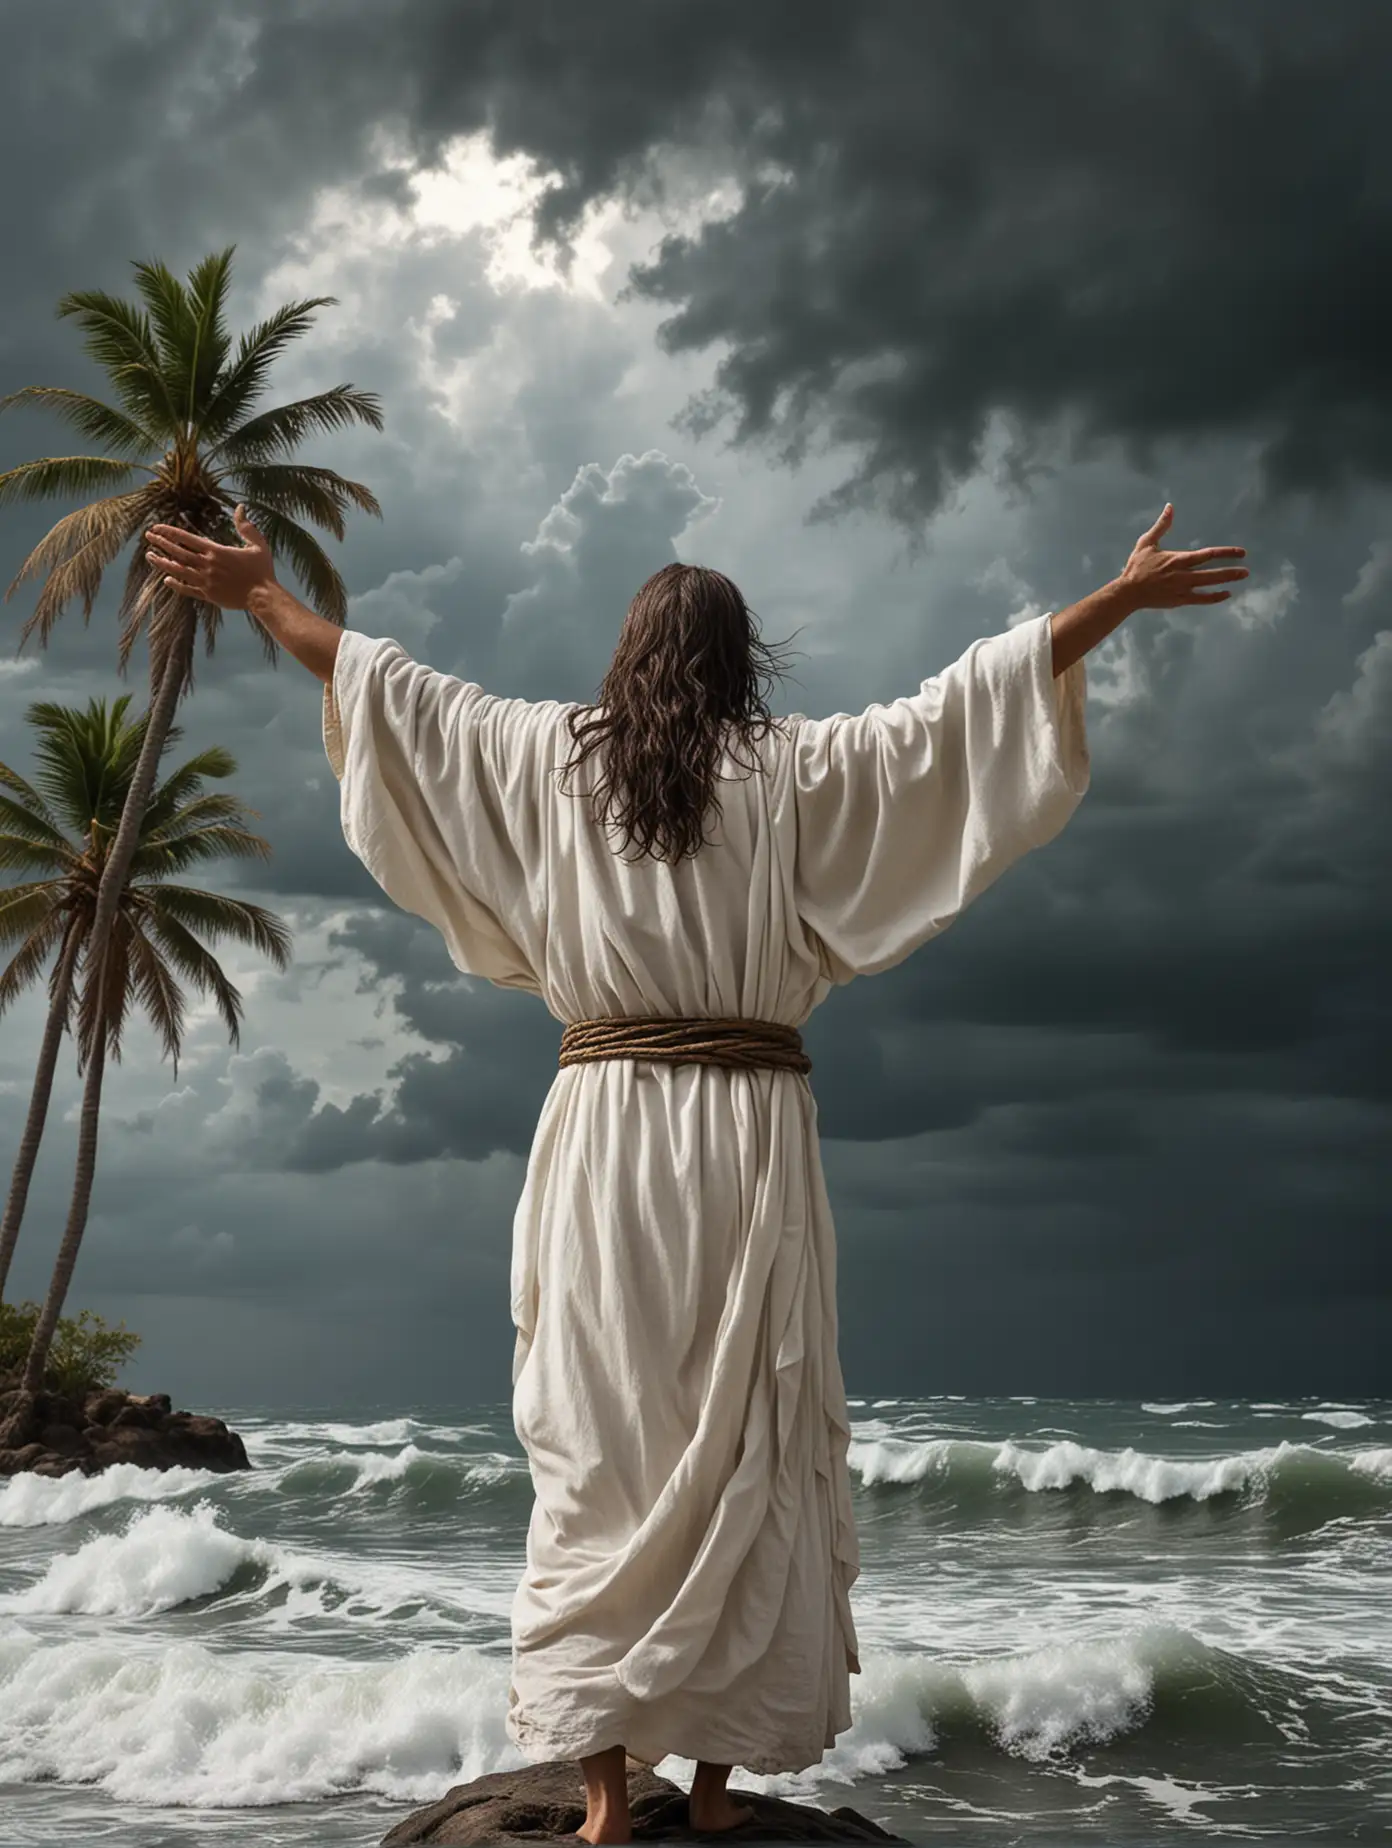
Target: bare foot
{"type": "Point", "coordinates": [711, 1814]}
{"type": "Point", "coordinates": [603, 1829]}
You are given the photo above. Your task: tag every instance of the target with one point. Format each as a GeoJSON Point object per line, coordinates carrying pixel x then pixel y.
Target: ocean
{"type": "Point", "coordinates": [1091, 1622]}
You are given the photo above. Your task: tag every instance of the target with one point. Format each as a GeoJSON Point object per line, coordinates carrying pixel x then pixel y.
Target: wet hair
{"type": "Point", "coordinates": [687, 681]}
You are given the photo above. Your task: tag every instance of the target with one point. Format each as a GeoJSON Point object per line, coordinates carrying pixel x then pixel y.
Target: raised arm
{"type": "Point", "coordinates": [1152, 580]}
{"type": "Point", "coordinates": [242, 577]}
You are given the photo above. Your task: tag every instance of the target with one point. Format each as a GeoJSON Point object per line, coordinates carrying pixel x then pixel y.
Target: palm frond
{"type": "Point", "coordinates": [214, 915]}
{"type": "Point", "coordinates": [118, 337]}
{"type": "Point", "coordinates": [158, 993]}
{"type": "Point", "coordinates": [117, 429]}
{"type": "Point", "coordinates": [279, 431]}
{"type": "Point", "coordinates": [52, 476]}
{"type": "Point", "coordinates": [106, 526]}
{"type": "Point", "coordinates": [17, 818]}
{"type": "Point", "coordinates": [198, 964]}
{"type": "Point", "coordinates": [189, 328]}
{"type": "Point", "coordinates": [172, 626]}
{"type": "Point", "coordinates": [75, 530]}
{"type": "Point", "coordinates": [163, 857]}
{"type": "Point", "coordinates": [24, 966]}
{"type": "Point", "coordinates": [312, 565]}
{"type": "Point", "coordinates": [86, 758]}
{"type": "Point", "coordinates": [320, 494]}
{"type": "Point", "coordinates": [181, 789]}
{"type": "Point", "coordinates": [24, 907]}
{"type": "Point", "coordinates": [29, 797]}
{"type": "Point", "coordinates": [174, 318]}
{"type": "Point", "coordinates": [22, 853]}
{"type": "Point", "coordinates": [112, 997]}
{"type": "Point", "coordinates": [245, 380]}
{"type": "Point", "coordinates": [30, 838]}
{"type": "Point", "coordinates": [163, 612]}
{"type": "Point", "coordinates": [208, 282]}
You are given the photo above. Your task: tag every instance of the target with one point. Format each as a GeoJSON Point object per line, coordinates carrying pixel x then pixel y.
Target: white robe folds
{"type": "Point", "coordinates": [676, 1383]}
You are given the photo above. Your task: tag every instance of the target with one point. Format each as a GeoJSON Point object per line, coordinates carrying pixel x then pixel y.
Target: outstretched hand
{"type": "Point", "coordinates": [1168, 580]}
{"type": "Point", "coordinates": [222, 574]}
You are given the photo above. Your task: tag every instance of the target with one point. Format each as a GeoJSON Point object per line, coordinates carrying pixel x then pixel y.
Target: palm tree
{"type": "Point", "coordinates": [62, 827]}
{"type": "Point", "coordinates": [183, 421]}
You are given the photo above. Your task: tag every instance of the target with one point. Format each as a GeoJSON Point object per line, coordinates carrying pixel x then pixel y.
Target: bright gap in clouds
{"type": "Point", "coordinates": [475, 189]}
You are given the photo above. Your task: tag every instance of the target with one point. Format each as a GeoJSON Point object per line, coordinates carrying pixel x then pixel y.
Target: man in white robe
{"type": "Point", "coordinates": [676, 1384]}
{"type": "Point", "coordinates": [676, 1381]}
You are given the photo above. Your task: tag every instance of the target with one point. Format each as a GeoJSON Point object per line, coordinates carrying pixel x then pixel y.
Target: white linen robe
{"type": "Point", "coordinates": [676, 1382]}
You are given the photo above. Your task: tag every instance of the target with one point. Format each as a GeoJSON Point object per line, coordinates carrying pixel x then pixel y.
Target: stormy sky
{"type": "Point", "coordinates": [910, 319]}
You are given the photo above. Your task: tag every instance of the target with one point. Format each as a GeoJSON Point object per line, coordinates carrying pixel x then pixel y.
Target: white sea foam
{"type": "Point", "coordinates": [1376, 1463]}
{"type": "Point", "coordinates": [184, 1724]}
{"type": "Point", "coordinates": [164, 1558]}
{"type": "Point", "coordinates": [1063, 1695]}
{"type": "Point", "coordinates": [386, 1431]}
{"type": "Point", "coordinates": [1061, 1465]}
{"type": "Point", "coordinates": [377, 1466]}
{"type": "Point", "coordinates": [1033, 1705]}
{"type": "Point", "coordinates": [1341, 1420]}
{"type": "Point", "coordinates": [193, 1726]}
{"type": "Point", "coordinates": [312, 1431]}
{"type": "Point", "coordinates": [27, 1500]}
{"type": "Point", "coordinates": [1150, 1478]}
{"type": "Point", "coordinates": [167, 1557]}
{"type": "Point", "coordinates": [902, 1459]}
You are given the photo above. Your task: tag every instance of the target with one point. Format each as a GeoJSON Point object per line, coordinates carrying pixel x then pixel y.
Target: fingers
{"type": "Point", "coordinates": [176, 570]}
{"type": "Point", "coordinates": [1220, 577]}
{"type": "Point", "coordinates": [1215, 551]}
{"type": "Point", "coordinates": [176, 543]}
{"type": "Point", "coordinates": [1155, 531]}
{"type": "Point", "coordinates": [185, 579]}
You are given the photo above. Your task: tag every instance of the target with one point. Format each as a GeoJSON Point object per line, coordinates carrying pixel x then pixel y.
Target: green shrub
{"type": "Point", "coordinates": [86, 1355]}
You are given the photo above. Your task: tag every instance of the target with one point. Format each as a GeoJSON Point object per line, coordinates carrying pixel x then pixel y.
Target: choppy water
{"type": "Point", "coordinates": [1080, 1622]}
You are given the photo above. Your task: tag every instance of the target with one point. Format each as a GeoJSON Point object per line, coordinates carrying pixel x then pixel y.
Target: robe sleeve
{"type": "Point", "coordinates": [906, 812]}
{"type": "Point", "coordinates": [437, 801]}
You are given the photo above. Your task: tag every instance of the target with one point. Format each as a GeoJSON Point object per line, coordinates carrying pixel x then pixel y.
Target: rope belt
{"type": "Point", "coordinates": [702, 1040]}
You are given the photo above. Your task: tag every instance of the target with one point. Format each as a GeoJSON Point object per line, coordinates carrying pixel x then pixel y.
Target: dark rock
{"type": "Point", "coordinates": [139, 1416]}
{"type": "Point", "coordinates": [547, 1802]}
{"type": "Point", "coordinates": [99, 1408]}
{"type": "Point", "coordinates": [91, 1431]}
{"type": "Point", "coordinates": [63, 1438]}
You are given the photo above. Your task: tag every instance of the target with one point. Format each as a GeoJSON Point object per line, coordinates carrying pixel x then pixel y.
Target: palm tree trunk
{"type": "Point", "coordinates": [38, 1104]}
{"type": "Point", "coordinates": [18, 1425]}
{"type": "Point", "coordinates": [19, 1421]}
{"type": "Point", "coordinates": [123, 848]}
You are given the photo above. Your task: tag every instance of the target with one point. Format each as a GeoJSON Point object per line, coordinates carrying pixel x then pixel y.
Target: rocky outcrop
{"type": "Point", "coordinates": [547, 1803]}
{"type": "Point", "coordinates": [91, 1431]}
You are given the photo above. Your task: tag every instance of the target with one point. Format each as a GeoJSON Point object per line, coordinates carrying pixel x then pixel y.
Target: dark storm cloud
{"type": "Point", "coordinates": [1129, 224]}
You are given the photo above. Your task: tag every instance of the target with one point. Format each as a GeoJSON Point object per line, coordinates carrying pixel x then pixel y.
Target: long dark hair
{"type": "Point", "coordinates": [689, 663]}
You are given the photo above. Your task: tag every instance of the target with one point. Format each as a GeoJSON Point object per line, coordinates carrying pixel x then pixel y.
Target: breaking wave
{"type": "Point", "coordinates": [172, 1558]}
{"type": "Point", "coordinates": [188, 1725]}
{"type": "Point", "coordinates": [1294, 1478]}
